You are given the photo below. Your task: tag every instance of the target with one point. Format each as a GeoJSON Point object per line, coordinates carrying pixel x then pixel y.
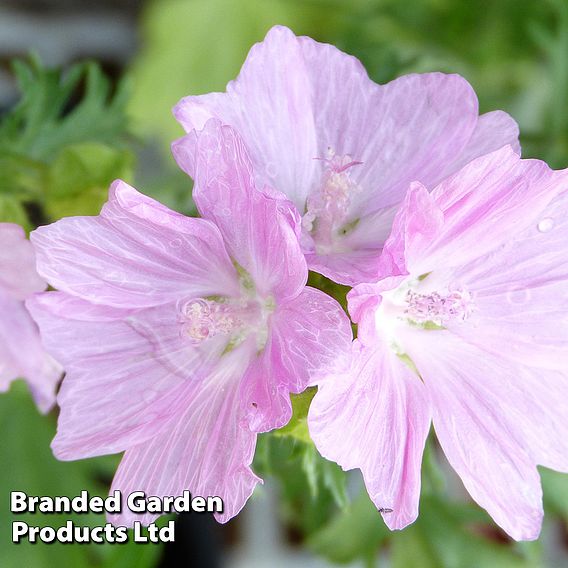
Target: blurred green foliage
{"type": "Point", "coordinates": [28, 465]}
{"type": "Point", "coordinates": [62, 144]}
{"type": "Point", "coordinates": [68, 137]}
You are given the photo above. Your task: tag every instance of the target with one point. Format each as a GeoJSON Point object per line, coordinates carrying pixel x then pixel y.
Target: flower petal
{"type": "Point", "coordinates": [296, 97]}
{"type": "Point", "coordinates": [270, 105]}
{"type": "Point", "coordinates": [489, 202]}
{"type": "Point", "coordinates": [416, 223]}
{"type": "Point", "coordinates": [23, 355]}
{"type": "Point", "coordinates": [403, 131]}
{"type": "Point", "coordinates": [206, 448]}
{"type": "Point", "coordinates": [492, 131]}
{"type": "Point", "coordinates": [311, 337]}
{"type": "Point", "coordinates": [260, 230]}
{"type": "Point", "coordinates": [137, 253]}
{"type": "Point", "coordinates": [124, 371]}
{"type": "Point", "coordinates": [18, 275]}
{"type": "Point", "coordinates": [265, 395]}
{"type": "Point", "coordinates": [533, 402]}
{"type": "Point", "coordinates": [478, 428]}
{"type": "Point", "coordinates": [521, 294]}
{"type": "Point", "coordinates": [376, 418]}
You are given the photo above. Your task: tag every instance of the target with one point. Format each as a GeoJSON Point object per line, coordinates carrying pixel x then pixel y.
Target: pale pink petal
{"type": "Point", "coordinates": [270, 105]}
{"type": "Point", "coordinates": [490, 201]}
{"type": "Point", "coordinates": [311, 335]}
{"type": "Point", "coordinates": [259, 230]}
{"type": "Point", "coordinates": [22, 354]}
{"type": "Point", "coordinates": [532, 401]}
{"type": "Point", "coordinates": [295, 99]}
{"type": "Point", "coordinates": [521, 293]}
{"type": "Point", "coordinates": [479, 432]}
{"type": "Point", "coordinates": [136, 254]}
{"type": "Point", "coordinates": [124, 371]}
{"type": "Point", "coordinates": [492, 131]}
{"type": "Point", "coordinates": [542, 414]}
{"type": "Point", "coordinates": [376, 418]}
{"type": "Point", "coordinates": [18, 275]}
{"type": "Point", "coordinates": [418, 221]}
{"type": "Point", "coordinates": [363, 301]}
{"type": "Point", "coordinates": [207, 448]}
{"type": "Point", "coordinates": [348, 268]}
{"type": "Point", "coordinates": [403, 131]}
{"type": "Point", "coordinates": [358, 261]}
{"type": "Point", "coordinates": [265, 394]}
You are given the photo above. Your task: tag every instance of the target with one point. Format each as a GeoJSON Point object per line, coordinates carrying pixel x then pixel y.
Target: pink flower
{"type": "Point", "coordinates": [343, 148]}
{"type": "Point", "coordinates": [21, 351]}
{"type": "Point", "coordinates": [467, 327]}
{"type": "Point", "coordinates": [182, 338]}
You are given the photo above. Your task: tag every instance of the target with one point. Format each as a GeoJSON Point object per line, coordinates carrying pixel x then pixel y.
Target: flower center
{"type": "Point", "coordinates": [327, 209]}
{"type": "Point", "coordinates": [423, 302]}
{"type": "Point", "coordinates": [205, 318]}
{"type": "Point", "coordinates": [428, 303]}
{"type": "Point", "coordinates": [438, 308]}
{"type": "Point", "coordinates": [234, 317]}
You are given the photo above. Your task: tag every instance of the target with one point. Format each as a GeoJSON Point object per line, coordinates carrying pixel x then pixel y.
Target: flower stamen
{"type": "Point", "coordinates": [327, 209]}
{"type": "Point", "coordinates": [207, 318]}
{"type": "Point", "coordinates": [438, 308]}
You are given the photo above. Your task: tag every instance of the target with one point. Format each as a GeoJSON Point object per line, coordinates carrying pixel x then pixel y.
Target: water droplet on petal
{"type": "Point", "coordinates": [545, 225]}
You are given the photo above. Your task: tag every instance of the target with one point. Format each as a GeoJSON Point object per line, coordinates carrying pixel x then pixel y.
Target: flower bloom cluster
{"type": "Point", "coordinates": [465, 327]}
{"type": "Point", "coordinates": [182, 338]}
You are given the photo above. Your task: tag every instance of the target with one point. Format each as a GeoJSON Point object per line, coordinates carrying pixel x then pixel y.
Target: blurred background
{"type": "Point", "coordinates": [86, 90]}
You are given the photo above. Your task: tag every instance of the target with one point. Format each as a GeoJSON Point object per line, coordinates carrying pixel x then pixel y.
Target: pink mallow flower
{"type": "Point", "coordinates": [466, 327]}
{"type": "Point", "coordinates": [343, 148]}
{"type": "Point", "coordinates": [21, 352]}
{"type": "Point", "coordinates": [182, 337]}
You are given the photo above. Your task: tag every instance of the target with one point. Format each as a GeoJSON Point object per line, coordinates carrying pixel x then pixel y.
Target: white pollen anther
{"type": "Point", "coordinates": [438, 308]}
{"type": "Point", "coordinates": [235, 318]}
{"type": "Point", "coordinates": [207, 318]}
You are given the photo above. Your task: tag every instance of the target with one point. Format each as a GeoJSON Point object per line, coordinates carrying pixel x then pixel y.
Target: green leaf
{"type": "Point", "coordinates": [51, 142]}
{"type": "Point", "coordinates": [311, 487]}
{"type": "Point", "coordinates": [354, 533]}
{"type": "Point", "coordinates": [337, 291]}
{"type": "Point", "coordinates": [321, 473]}
{"type": "Point", "coordinates": [20, 177]}
{"type": "Point", "coordinates": [334, 479]}
{"type": "Point", "coordinates": [297, 427]}
{"type": "Point", "coordinates": [78, 180]}
{"type": "Point", "coordinates": [555, 486]}
{"type": "Point", "coordinates": [318, 471]}
{"type": "Point", "coordinates": [12, 211]}
{"type": "Point", "coordinates": [433, 478]}
{"type": "Point", "coordinates": [40, 125]}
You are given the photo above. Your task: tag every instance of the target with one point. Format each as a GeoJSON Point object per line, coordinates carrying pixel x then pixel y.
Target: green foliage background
{"type": "Point", "coordinates": [73, 132]}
